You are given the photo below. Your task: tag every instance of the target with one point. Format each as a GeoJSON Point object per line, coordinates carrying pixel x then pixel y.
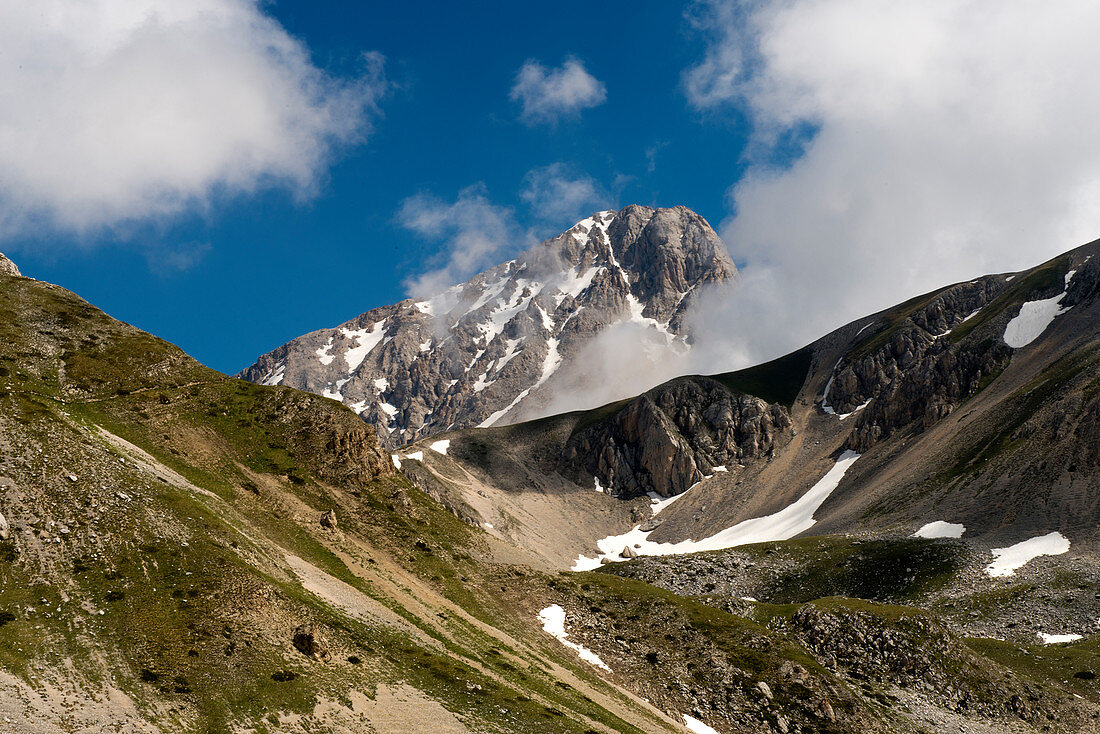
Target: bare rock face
{"type": "Point", "coordinates": [914, 370]}
{"type": "Point", "coordinates": [7, 267]}
{"type": "Point", "coordinates": [308, 641]}
{"type": "Point", "coordinates": [668, 439]}
{"type": "Point", "coordinates": [493, 350]}
{"type": "Point", "coordinates": [918, 369]}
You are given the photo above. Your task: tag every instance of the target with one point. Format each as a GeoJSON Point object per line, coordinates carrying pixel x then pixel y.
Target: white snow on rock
{"type": "Point", "coordinates": [368, 340]}
{"type": "Point", "coordinates": [324, 353]}
{"type": "Point", "coordinates": [503, 313]}
{"type": "Point", "coordinates": [440, 447]}
{"type": "Point", "coordinates": [599, 488]}
{"type": "Point", "coordinates": [1035, 317]}
{"type": "Point", "coordinates": [1056, 639]}
{"type": "Point", "coordinates": [415, 456]}
{"type": "Point", "coordinates": [509, 353]}
{"type": "Point", "coordinates": [972, 315]}
{"type": "Point", "coordinates": [381, 384]}
{"type": "Point", "coordinates": [1007, 560]}
{"type": "Point", "coordinates": [481, 383]}
{"type": "Point", "coordinates": [575, 283]}
{"type": "Point", "coordinates": [396, 460]}
{"type": "Point", "coordinates": [787, 523]}
{"type": "Point", "coordinates": [940, 529]}
{"type": "Point", "coordinates": [549, 367]}
{"type": "Point", "coordinates": [697, 727]}
{"type": "Point", "coordinates": [553, 623]}
{"type": "Point", "coordinates": [275, 375]}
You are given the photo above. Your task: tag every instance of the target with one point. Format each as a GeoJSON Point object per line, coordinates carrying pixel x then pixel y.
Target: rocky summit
{"type": "Point", "coordinates": [493, 350]}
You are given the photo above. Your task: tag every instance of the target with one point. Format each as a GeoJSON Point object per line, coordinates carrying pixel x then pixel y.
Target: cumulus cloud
{"type": "Point", "coordinates": [116, 111]}
{"type": "Point", "coordinates": [474, 233]}
{"type": "Point", "coordinates": [547, 95]}
{"type": "Point", "coordinates": [947, 139]}
{"type": "Point", "coordinates": [560, 196]}
{"type": "Point", "coordinates": [472, 230]}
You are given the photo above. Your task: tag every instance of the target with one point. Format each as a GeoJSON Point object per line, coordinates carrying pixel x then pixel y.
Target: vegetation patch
{"type": "Point", "coordinates": [778, 381]}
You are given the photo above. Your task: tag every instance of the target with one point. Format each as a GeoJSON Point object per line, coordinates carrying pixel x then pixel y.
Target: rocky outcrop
{"type": "Point", "coordinates": [671, 437]}
{"type": "Point", "coordinates": [911, 369]}
{"type": "Point", "coordinates": [915, 651]}
{"type": "Point", "coordinates": [926, 362]}
{"type": "Point", "coordinates": [7, 267]}
{"type": "Point", "coordinates": [308, 641]}
{"type": "Point", "coordinates": [493, 350]}
{"type": "Point", "coordinates": [337, 446]}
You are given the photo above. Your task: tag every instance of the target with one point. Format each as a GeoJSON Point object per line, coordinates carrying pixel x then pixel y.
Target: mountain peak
{"type": "Point", "coordinates": [493, 349]}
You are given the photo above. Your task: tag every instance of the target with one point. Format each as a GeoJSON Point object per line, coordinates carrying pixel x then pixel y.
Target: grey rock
{"type": "Point", "coordinates": [495, 349]}
{"type": "Point", "coordinates": [328, 519]}
{"type": "Point", "coordinates": [7, 267]}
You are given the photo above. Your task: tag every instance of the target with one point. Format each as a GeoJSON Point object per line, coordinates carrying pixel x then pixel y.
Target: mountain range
{"type": "Point", "coordinates": [891, 529]}
{"type": "Point", "coordinates": [500, 346]}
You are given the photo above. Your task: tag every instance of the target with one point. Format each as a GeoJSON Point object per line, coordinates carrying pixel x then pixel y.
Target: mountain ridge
{"type": "Point", "coordinates": [181, 551]}
{"type": "Point", "coordinates": [495, 347]}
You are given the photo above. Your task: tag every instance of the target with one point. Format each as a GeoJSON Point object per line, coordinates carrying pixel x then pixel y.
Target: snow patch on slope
{"type": "Point", "coordinates": [553, 623]}
{"type": "Point", "coordinates": [1007, 560]}
{"type": "Point", "coordinates": [1035, 317]}
{"type": "Point", "coordinates": [787, 523]}
{"type": "Point", "coordinates": [549, 367]}
{"type": "Point", "coordinates": [368, 340]}
{"type": "Point", "coordinates": [940, 529]}
{"type": "Point", "coordinates": [275, 375]}
{"type": "Point", "coordinates": [697, 727]}
{"type": "Point", "coordinates": [325, 353]}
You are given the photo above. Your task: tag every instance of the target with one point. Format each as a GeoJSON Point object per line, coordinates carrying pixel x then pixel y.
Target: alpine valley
{"type": "Point", "coordinates": [388, 526]}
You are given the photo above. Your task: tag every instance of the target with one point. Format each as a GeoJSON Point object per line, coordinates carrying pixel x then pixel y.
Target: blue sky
{"type": "Point", "coordinates": [261, 269]}
{"type": "Point", "coordinates": [228, 174]}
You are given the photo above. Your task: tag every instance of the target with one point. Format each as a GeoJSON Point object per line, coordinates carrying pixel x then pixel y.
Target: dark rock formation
{"type": "Point", "coordinates": [912, 370]}
{"type": "Point", "coordinates": [308, 641]}
{"type": "Point", "coordinates": [671, 437]}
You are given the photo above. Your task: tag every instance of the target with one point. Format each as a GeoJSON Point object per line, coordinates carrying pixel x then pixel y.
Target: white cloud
{"type": "Point", "coordinates": [548, 95]}
{"type": "Point", "coordinates": [561, 197]}
{"type": "Point", "coordinates": [950, 139]}
{"type": "Point", "coordinates": [474, 233]}
{"type": "Point", "coordinates": [116, 111]}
